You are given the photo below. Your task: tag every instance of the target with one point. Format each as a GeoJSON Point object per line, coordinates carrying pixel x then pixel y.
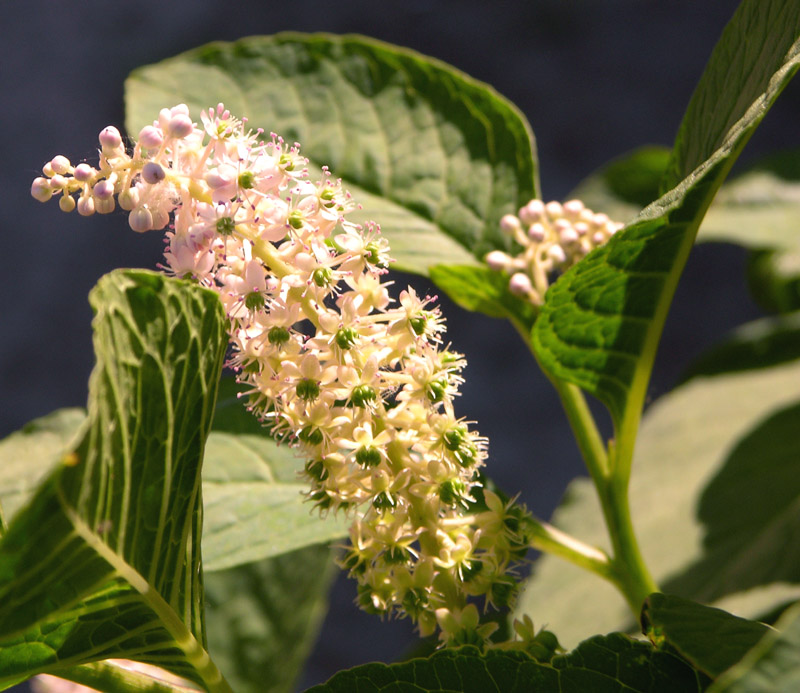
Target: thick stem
{"type": "Point", "coordinates": [610, 472]}
{"type": "Point", "coordinates": [584, 428]}
{"type": "Point", "coordinates": [632, 575]}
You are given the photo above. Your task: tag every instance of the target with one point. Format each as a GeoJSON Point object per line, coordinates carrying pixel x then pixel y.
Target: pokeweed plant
{"type": "Point", "coordinates": [124, 522]}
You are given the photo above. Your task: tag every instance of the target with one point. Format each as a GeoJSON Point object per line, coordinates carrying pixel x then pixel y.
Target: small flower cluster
{"type": "Point", "coordinates": [553, 238]}
{"type": "Point", "coordinates": [362, 387]}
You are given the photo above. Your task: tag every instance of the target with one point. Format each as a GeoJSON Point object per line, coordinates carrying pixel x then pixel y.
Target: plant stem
{"type": "Point", "coordinates": [545, 537]}
{"type": "Point", "coordinates": [115, 678]}
{"type": "Point", "coordinates": [632, 576]}
{"type": "Point", "coordinates": [610, 472]}
{"type": "Point", "coordinates": [584, 428]}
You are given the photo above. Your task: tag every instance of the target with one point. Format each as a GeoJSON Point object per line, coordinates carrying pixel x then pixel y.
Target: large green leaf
{"type": "Point", "coordinates": [704, 483]}
{"type": "Point", "coordinates": [711, 639]}
{"type": "Point", "coordinates": [772, 666]}
{"type": "Point", "coordinates": [263, 618]}
{"type": "Point", "coordinates": [604, 664]}
{"type": "Point", "coordinates": [253, 499]}
{"type": "Point", "coordinates": [27, 455]}
{"type": "Point", "coordinates": [601, 322]}
{"type": "Point", "coordinates": [104, 561]}
{"type": "Point", "coordinates": [435, 157]}
{"type": "Point", "coordinates": [254, 502]}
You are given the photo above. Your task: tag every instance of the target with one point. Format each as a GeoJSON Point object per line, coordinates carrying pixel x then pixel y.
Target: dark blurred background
{"type": "Point", "coordinates": [595, 79]}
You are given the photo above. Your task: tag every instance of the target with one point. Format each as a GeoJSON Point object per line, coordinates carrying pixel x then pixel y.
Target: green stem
{"type": "Point", "coordinates": [545, 537]}
{"type": "Point", "coordinates": [610, 472]}
{"type": "Point", "coordinates": [113, 678]}
{"type": "Point", "coordinates": [584, 428]}
{"type": "Point", "coordinates": [632, 576]}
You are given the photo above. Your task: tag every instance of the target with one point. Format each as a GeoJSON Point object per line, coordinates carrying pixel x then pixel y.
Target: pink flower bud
{"type": "Point", "coordinates": [140, 219]}
{"type": "Point", "coordinates": [554, 210]}
{"type": "Point", "coordinates": [83, 173]}
{"type": "Point", "coordinates": [60, 164]}
{"type": "Point", "coordinates": [537, 233]}
{"type": "Point", "coordinates": [105, 206]}
{"type": "Point", "coordinates": [556, 254]}
{"type": "Point", "coordinates": [509, 223]}
{"type": "Point", "coordinates": [110, 138]}
{"type": "Point", "coordinates": [498, 260]}
{"type": "Point", "coordinates": [153, 173]}
{"type": "Point", "coordinates": [86, 206]}
{"type": "Point", "coordinates": [41, 190]}
{"type": "Point", "coordinates": [150, 137]}
{"type": "Point", "coordinates": [179, 126]}
{"type": "Point", "coordinates": [532, 212]}
{"type": "Point", "coordinates": [520, 284]}
{"type": "Point", "coordinates": [103, 190]}
{"type": "Point", "coordinates": [573, 208]}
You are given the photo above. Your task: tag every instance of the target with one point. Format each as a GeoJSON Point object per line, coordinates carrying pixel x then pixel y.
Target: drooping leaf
{"type": "Point", "coordinates": [104, 561]}
{"type": "Point", "coordinates": [601, 322]}
{"type": "Point", "coordinates": [435, 157]}
{"type": "Point", "coordinates": [697, 449]}
{"type": "Point", "coordinates": [263, 618]}
{"type": "Point", "coordinates": [772, 666]}
{"type": "Point", "coordinates": [712, 640]}
{"type": "Point", "coordinates": [603, 664]}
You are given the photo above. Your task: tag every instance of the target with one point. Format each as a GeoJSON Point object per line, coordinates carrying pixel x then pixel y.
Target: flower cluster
{"type": "Point", "coordinates": [361, 385]}
{"type": "Point", "coordinates": [553, 238]}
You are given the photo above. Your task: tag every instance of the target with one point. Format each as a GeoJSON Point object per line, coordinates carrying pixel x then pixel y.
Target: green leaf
{"type": "Point", "coordinates": [712, 640]}
{"type": "Point", "coordinates": [772, 666]}
{"type": "Point", "coordinates": [435, 157]}
{"type": "Point", "coordinates": [28, 454]}
{"type": "Point", "coordinates": [263, 618]}
{"type": "Point", "coordinates": [625, 185]}
{"type": "Point", "coordinates": [485, 291]}
{"type": "Point", "coordinates": [759, 344]}
{"type": "Point", "coordinates": [698, 474]}
{"type": "Point", "coordinates": [604, 664]}
{"type": "Point", "coordinates": [601, 322]}
{"type": "Point", "coordinates": [253, 500]}
{"type": "Point", "coordinates": [774, 279]}
{"type": "Point", "coordinates": [104, 561]}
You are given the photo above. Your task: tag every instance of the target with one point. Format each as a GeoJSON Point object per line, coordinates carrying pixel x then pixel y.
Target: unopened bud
{"type": "Point", "coordinates": [498, 260]}
{"type": "Point", "coordinates": [83, 173]}
{"type": "Point", "coordinates": [103, 190]}
{"type": "Point", "coordinates": [520, 284]}
{"type": "Point", "coordinates": [179, 126]}
{"type": "Point", "coordinates": [150, 137]}
{"type": "Point", "coordinates": [140, 219]}
{"type": "Point", "coordinates": [509, 223]}
{"type": "Point", "coordinates": [60, 164]}
{"type": "Point", "coordinates": [41, 190]}
{"type": "Point", "coordinates": [86, 206]}
{"type": "Point", "coordinates": [153, 173]}
{"type": "Point", "coordinates": [110, 139]}
{"type": "Point", "coordinates": [66, 203]}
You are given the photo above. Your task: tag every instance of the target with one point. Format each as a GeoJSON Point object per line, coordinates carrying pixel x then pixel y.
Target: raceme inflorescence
{"type": "Point", "coordinates": [553, 237]}
{"type": "Point", "coordinates": [361, 385]}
